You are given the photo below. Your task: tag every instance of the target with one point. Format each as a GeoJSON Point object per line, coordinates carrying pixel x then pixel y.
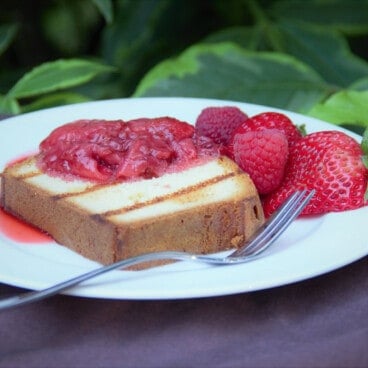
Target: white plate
{"type": "Point", "coordinates": [311, 246]}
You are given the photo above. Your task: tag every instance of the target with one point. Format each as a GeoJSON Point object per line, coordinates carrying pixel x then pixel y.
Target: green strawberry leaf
{"type": "Point", "coordinates": [302, 129]}
{"type": "Point", "coordinates": [56, 75]}
{"type": "Point", "coordinates": [227, 71]}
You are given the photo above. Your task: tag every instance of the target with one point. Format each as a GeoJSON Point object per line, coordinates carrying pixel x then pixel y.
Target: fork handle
{"type": "Point", "coordinates": [33, 296]}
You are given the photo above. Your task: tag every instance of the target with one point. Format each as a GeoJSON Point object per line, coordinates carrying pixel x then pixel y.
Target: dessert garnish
{"type": "Point", "coordinates": [271, 148]}
{"type": "Point", "coordinates": [106, 151]}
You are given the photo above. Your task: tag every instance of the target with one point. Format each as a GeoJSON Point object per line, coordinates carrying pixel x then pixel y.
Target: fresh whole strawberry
{"type": "Point", "coordinates": [329, 162]}
{"type": "Point", "coordinates": [218, 123]}
{"type": "Point", "coordinates": [263, 155]}
{"type": "Point", "coordinates": [266, 120]}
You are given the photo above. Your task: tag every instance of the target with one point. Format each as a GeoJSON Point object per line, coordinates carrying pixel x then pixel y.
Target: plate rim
{"type": "Point", "coordinates": [87, 291]}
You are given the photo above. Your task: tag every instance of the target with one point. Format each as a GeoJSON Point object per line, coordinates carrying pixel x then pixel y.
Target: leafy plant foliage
{"type": "Point", "coordinates": [306, 56]}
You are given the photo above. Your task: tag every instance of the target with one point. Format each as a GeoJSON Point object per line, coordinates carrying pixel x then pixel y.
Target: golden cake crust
{"type": "Point", "coordinates": [109, 236]}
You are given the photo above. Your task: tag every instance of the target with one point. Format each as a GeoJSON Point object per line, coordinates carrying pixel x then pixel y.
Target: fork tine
{"type": "Point", "coordinates": [281, 223]}
{"type": "Point", "coordinates": [274, 219]}
{"type": "Point", "coordinates": [276, 224]}
{"type": "Point", "coordinates": [296, 211]}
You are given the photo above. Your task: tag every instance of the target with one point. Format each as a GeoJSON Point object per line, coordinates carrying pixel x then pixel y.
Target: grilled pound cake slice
{"type": "Point", "coordinates": [203, 209]}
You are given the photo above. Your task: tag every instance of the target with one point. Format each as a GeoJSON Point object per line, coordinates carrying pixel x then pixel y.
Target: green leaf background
{"type": "Point", "coordinates": [229, 72]}
{"type": "Point", "coordinates": [305, 56]}
{"type": "Point", "coordinates": [344, 108]}
{"type": "Point", "coordinates": [7, 34]}
{"type": "Point", "coordinates": [56, 75]}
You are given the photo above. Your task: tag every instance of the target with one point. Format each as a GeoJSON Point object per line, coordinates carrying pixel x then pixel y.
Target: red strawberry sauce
{"type": "Point", "coordinates": [20, 231]}
{"type": "Point", "coordinates": [16, 229]}
{"type": "Point", "coordinates": [106, 151]}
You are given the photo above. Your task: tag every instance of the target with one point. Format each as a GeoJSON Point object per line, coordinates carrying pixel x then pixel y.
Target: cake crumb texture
{"type": "Point", "coordinates": [214, 211]}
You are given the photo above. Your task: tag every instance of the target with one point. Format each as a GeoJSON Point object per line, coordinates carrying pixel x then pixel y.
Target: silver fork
{"type": "Point", "coordinates": [261, 240]}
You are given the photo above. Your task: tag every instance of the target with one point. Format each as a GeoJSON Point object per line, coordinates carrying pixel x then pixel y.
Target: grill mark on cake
{"type": "Point", "coordinates": [13, 169]}
{"type": "Point", "coordinates": [28, 175]}
{"type": "Point", "coordinates": [96, 187]}
{"type": "Point", "coordinates": [177, 193]}
{"type": "Point", "coordinates": [89, 189]}
{"type": "Point", "coordinates": [102, 217]}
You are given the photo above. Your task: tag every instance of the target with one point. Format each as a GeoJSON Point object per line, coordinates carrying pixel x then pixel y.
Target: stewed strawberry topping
{"type": "Point", "coordinates": [106, 151]}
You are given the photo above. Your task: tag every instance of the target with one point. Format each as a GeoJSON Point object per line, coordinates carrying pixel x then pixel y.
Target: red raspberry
{"type": "Point", "coordinates": [263, 155]}
{"type": "Point", "coordinates": [266, 120]}
{"type": "Point", "coordinates": [218, 123]}
{"type": "Point", "coordinates": [271, 120]}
